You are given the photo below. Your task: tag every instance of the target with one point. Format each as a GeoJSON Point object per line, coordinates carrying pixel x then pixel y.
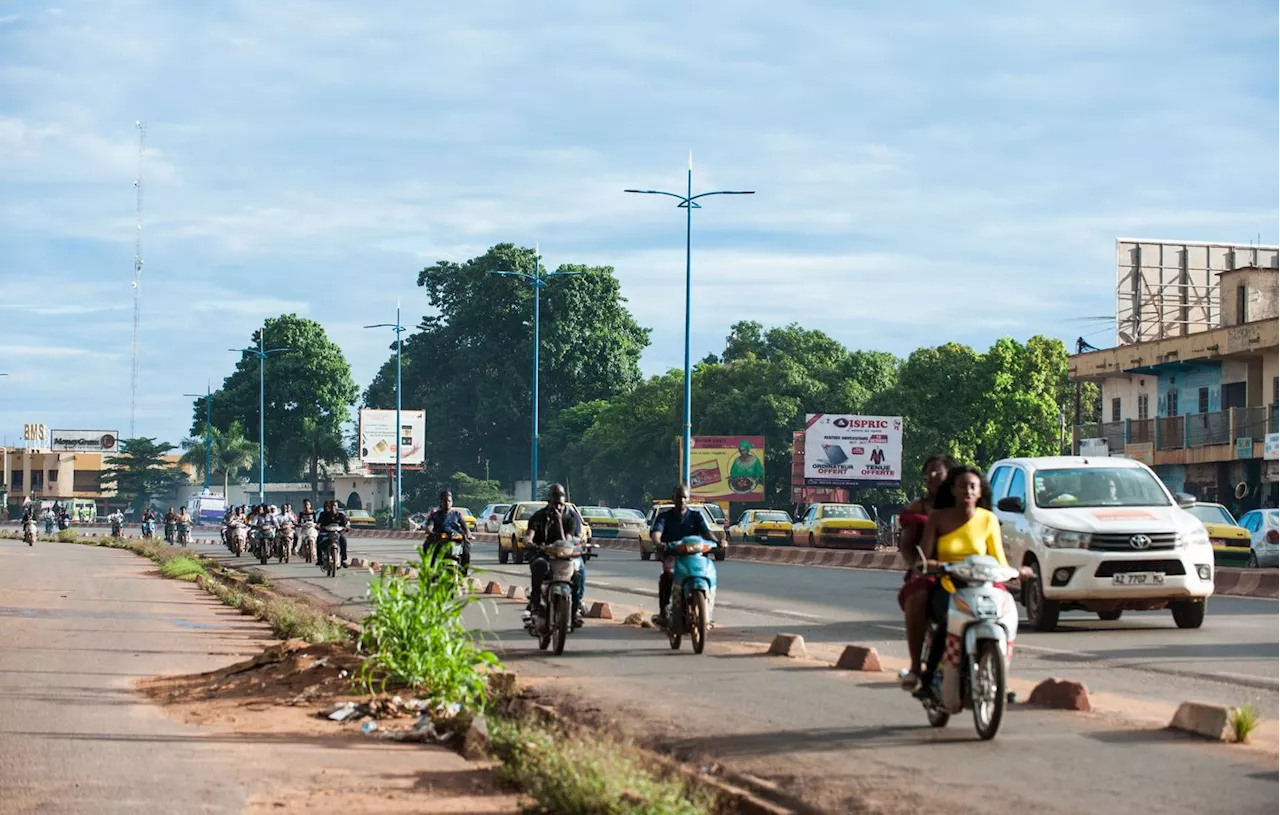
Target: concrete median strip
{"type": "Point", "coordinates": [1200, 719]}
{"type": "Point", "coordinates": [494, 587]}
{"type": "Point", "coordinates": [600, 611]}
{"type": "Point", "coordinates": [858, 658]}
{"type": "Point", "coordinates": [788, 645]}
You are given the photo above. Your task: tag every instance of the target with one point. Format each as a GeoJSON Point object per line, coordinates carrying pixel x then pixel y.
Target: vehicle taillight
{"type": "Point", "coordinates": [1272, 536]}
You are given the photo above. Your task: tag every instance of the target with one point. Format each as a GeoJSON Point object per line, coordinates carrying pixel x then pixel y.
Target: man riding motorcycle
{"type": "Point", "coordinates": [672, 526]}
{"type": "Point", "coordinates": [333, 516]}
{"type": "Point", "coordinates": [445, 519]}
{"type": "Point", "coordinates": [116, 519]}
{"type": "Point", "coordinates": [554, 522]}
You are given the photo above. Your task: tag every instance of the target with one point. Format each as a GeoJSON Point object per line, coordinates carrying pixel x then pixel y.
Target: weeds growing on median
{"type": "Point", "coordinates": [1243, 720]}
{"type": "Point", "coordinates": [415, 637]}
{"type": "Point", "coordinates": [596, 775]}
{"type": "Point", "coordinates": [182, 568]}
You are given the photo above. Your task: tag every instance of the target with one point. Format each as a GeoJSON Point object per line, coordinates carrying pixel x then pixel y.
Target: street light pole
{"type": "Point", "coordinates": [399, 329]}
{"type": "Point", "coordinates": [538, 280]}
{"type": "Point", "coordinates": [262, 352]}
{"type": "Point", "coordinates": [208, 432]}
{"type": "Point", "coordinates": [690, 202]}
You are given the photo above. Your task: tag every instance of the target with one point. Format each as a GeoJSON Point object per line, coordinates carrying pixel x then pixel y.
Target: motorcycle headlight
{"type": "Point", "coordinates": [1192, 537]}
{"type": "Point", "coordinates": [1064, 539]}
{"type": "Point", "coordinates": [986, 607]}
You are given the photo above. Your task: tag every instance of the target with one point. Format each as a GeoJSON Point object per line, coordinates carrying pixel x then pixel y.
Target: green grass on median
{"type": "Point", "coordinates": [182, 568]}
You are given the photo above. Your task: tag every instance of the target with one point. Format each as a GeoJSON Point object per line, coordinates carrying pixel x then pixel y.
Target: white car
{"type": "Point", "coordinates": [1103, 535]}
{"type": "Point", "coordinates": [490, 518]}
{"type": "Point", "coordinates": [1263, 526]}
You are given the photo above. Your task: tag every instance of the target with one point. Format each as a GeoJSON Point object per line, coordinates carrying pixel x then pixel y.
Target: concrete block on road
{"type": "Point", "coordinates": [1201, 719]}
{"type": "Point", "coordinates": [859, 658]}
{"type": "Point", "coordinates": [494, 587]}
{"type": "Point", "coordinates": [475, 743]}
{"type": "Point", "coordinates": [473, 585]}
{"type": "Point", "coordinates": [1061, 694]}
{"type": "Point", "coordinates": [788, 645]}
{"type": "Point", "coordinates": [356, 562]}
{"type": "Point", "coordinates": [515, 592]}
{"type": "Point", "coordinates": [375, 565]}
{"type": "Point", "coordinates": [600, 611]}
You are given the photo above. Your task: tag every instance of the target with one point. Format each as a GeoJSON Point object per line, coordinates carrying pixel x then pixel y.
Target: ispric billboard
{"type": "Point", "coordinates": [727, 468]}
{"type": "Point", "coordinates": [852, 451]}
{"type": "Point", "coordinates": [378, 437]}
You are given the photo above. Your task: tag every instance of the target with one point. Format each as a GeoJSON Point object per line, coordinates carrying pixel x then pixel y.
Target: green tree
{"type": "Point", "coordinates": [476, 493]}
{"type": "Point", "coordinates": [140, 472]}
{"type": "Point", "coordinates": [233, 454]}
{"type": "Point", "coordinates": [469, 365]}
{"type": "Point", "coordinates": [308, 395]}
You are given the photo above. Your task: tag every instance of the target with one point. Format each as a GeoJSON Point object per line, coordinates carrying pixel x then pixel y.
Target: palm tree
{"type": "Point", "coordinates": [232, 453]}
{"type": "Point", "coordinates": [320, 441]}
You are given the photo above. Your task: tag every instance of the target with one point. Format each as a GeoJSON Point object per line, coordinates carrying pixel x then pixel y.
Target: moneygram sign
{"type": "Point", "coordinates": [84, 441]}
{"type": "Point", "coordinates": [852, 451]}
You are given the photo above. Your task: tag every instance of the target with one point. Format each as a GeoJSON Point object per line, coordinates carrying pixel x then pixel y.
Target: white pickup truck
{"type": "Point", "coordinates": [1101, 534]}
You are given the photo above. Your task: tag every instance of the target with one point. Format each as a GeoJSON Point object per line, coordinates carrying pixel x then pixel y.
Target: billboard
{"type": "Point", "coordinates": [727, 468]}
{"type": "Point", "coordinates": [84, 441]}
{"type": "Point", "coordinates": [379, 440]}
{"type": "Point", "coordinates": [841, 450]}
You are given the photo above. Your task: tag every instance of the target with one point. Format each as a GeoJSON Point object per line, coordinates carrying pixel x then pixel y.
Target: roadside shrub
{"type": "Point", "coordinates": [67, 536]}
{"type": "Point", "coordinates": [182, 568]}
{"type": "Point", "coordinates": [415, 637]}
{"type": "Point", "coordinates": [1243, 720]}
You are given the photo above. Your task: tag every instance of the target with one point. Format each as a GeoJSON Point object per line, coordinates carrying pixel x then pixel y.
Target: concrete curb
{"type": "Point", "coordinates": [1200, 719]}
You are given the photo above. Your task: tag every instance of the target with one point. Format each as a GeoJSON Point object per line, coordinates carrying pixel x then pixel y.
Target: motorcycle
{"type": "Point", "coordinates": [288, 539]}
{"type": "Point", "coordinates": [148, 530]}
{"type": "Point", "coordinates": [553, 619]}
{"type": "Point", "coordinates": [307, 540]}
{"type": "Point", "coordinates": [693, 592]}
{"type": "Point", "coordinates": [64, 522]}
{"type": "Point", "coordinates": [237, 537]}
{"type": "Point", "coordinates": [48, 525]}
{"type": "Point", "coordinates": [329, 549]}
{"type": "Point", "coordinates": [29, 532]}
{"type": "Point", "coordinates": [450, 546]}
{"type": "Point", "coordinates": [264, 541]}
{"type": "Point", "coordinates": [184, 534]}
{"type": "Point", "coordinates": [168, 532]}
{"type": "Point", "coordinates": [117, 528]}
{"type": "Point", "coordinates": [981, 625]}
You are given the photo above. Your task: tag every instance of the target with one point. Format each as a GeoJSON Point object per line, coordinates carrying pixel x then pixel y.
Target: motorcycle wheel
{"type": "Point", "coordinates": [697, 616]}
{"type": "Point", "coordinates": [544, 639]}
{"type": "Point", "coordinates": [989, 697]}
{"type": "Point", "coordinates": [264, 554]}
{"type": "Point", "coordinates": [559, 623]}
{"type": "Point", "coordinates": [331, 567]}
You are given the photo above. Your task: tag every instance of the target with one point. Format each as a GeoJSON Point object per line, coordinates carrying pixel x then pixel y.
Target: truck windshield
{"type": "Point", "coordinates": [1098, 487]}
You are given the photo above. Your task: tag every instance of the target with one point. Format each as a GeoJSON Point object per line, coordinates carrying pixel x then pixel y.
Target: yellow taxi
{"type": "Point", "coordinates": [467, 517]}
{"type": "Point", "coordinates": [762, 526]}
{"type": "Point", "coordinates": [1231, 542]}
{"type": "Point", "coordinates": [361, 519]}
{"type": "Point", "coordinates": [835, 526]}
{"type": "Point", "coordinates": [516, 522]}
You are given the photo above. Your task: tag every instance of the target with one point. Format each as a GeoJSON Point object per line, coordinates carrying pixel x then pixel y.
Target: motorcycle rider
{"type": "Point", "coordinates": [287, 518]}
{"type": "Point", "coordinates": [446, 519]}
{"type": "Point", "coordinates": [116, 519]}
{"type": "Point", "coordinates": [554, 522]}
{"type": "Point", "coordinates": [914, 594]}
{"type": "Point", "coordinates": [333, 516]}
{"type": "Point", "coordinates": [149, 517]}
{"type": "Point", "coordinates": [170, 518]}
{"type": "Point", "coordinates": [672, 526]}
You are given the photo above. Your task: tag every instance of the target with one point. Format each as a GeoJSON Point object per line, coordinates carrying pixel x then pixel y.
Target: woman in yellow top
{"type": "Point", "coordinates": [960, 525]}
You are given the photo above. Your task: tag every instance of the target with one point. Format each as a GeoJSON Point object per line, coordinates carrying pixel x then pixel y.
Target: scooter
{"type": "Point", "coordinates": [307, 538]}
{"type": "Point", "coordinates": [288, 539]}
{"type": "Point", "coordinates": [29, 532]}
{"type": "Point", "coordinates": [981, 626]}
{"type": "Point", "coordinates": [263, 542]}
{"type": "Point", "coordinates": [237, 537]}
{"type": "Point", "coordinates": [148, 530]}
{"type": "Point", "coordinates": [450, 544]}
{"type": "Point", "coordinates": [64, 522]}
{"type": "Point", "coordinates": [117, 528]}
{"type": "Point", "coordinates": [184, 534]}
{"type": "Point", "coordinates": [553, 619]}
{"type": "Point", "coordinates": [693, 592]}
{"type": "Point", "coordinates": [329, 549]}
{"type": "Point", "coordinates": [168, 532]}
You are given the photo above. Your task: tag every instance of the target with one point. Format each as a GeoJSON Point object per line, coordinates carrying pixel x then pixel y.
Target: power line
{"type": "Point", "coordinates": [137, 281]}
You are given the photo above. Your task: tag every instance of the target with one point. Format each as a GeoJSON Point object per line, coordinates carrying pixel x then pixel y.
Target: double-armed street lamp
{"type": "Point", "coordinates": [262, 352]}
{"type": "Point", "coordinates": [399, 329]}
{"type": "Point", "coordinates": [689, 202]}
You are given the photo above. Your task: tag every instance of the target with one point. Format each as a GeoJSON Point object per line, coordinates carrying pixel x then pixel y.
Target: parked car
{"type": "Point", "coordinates": [717, 531]}
{"type": "Point", "coordinates": [1230, 541]}
{"type": "Point", "coordinates": [361, 519]}
{"type": "Point", "coordinates": [490, 518]}
{"type": "Point", "coordinates": [762, 526]}
{"type": "Point", "coordinates": [1102, 535]}
{"type": "Point", "coordinates": [836, 526]}
{"type": "Point", "coordinates": [602, 521]}
{"type": "Point", "coordinates": [516, 522]}
{"type": "Point", "coordinates": [631, 524]}
{"type": "Point", "coordinates": [1263, 526]}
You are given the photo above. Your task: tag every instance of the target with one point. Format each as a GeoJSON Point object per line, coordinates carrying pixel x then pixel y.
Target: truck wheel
{"type": "Point", "coordinates": [1109, 616]}
{"type": "Point", "coordinates": [1189, 613]}
{"type": "Point", "coordinates": [645, 555]}
{"type": "Point", "coordinates": [721, 553]}
{"type": "Point", "coordinates": [503, 555]}
{"type": "Point", "coordinates": [1042, 614]}
{"type": "Point", "coordinates": [517, 553]}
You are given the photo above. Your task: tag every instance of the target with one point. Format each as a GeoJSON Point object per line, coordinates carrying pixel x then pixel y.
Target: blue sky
{"type": "Point", "coordinates": [924, 172]}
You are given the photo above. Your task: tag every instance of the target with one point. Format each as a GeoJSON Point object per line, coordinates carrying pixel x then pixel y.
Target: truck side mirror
{"type": "Point", "coordinates": [1185, 499]}
{"type": "Point", "coordinates": [1011, 503]}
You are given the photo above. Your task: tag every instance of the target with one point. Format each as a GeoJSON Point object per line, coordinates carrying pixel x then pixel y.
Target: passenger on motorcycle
{"type": "Point", "coordinates": [672, 526]}
{"type": "Point", "coordinates": [170, 518]}
{"type": "Point", "coordinates": [913, 597]}
{"type": "Point", "coordinates": [960, 525]}
{"type": "Point", "coordinates": [306, 513]}
{"type": "Point", "coordinates": [554, 522]}
{"type": "Point", "coordinates": [333, 516]}
{"type": "Point", "coordinates": [446, 519]}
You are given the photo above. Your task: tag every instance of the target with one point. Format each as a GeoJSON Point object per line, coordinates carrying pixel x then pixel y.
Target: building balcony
{"type": "Point", "coordinates": [1225, 435]}
{"type": "Point", "coordinates": [1247, 341]}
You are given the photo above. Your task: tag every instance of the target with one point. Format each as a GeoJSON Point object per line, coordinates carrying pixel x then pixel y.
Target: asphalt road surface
{"type": "Point", "coordinates": [798, 723]}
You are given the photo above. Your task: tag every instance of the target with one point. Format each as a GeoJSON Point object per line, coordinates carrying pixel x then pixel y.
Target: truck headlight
{"type": "Point", "coordinates": [1194, 537]}
{"type": "Point", "coordinates": [1064, 539]}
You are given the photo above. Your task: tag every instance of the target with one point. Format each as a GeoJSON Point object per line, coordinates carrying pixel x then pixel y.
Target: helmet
{"type": "Point", "coordinates": [272, 509]}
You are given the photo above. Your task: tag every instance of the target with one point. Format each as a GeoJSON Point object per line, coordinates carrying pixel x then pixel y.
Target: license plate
{"type": "Point", "coordinates": [1138, 579]}
{"type": "Point", "coordinates": [848, 533]}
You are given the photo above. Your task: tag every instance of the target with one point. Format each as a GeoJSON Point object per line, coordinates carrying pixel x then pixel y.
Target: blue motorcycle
{"type": "Point", "coordinates": [693, 592]}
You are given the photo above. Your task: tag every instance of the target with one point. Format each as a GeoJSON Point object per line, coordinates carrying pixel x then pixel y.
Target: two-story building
{"type": "Point", "coordinates": [1191, 385]}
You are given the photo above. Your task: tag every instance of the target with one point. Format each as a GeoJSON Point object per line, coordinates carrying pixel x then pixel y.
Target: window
{"type": "Point", "coordinates": [1018, 485]}
{"type": "Point", "coordinates": [1144, 406]}
{"type": "Point", "coordinates": [1203, 403]}
{"type": "Point", "coordinates": [1242, 304]}
{"type": "Point", "coordinates": [53, 476]}
{"type": "Point", "coordinates": [1275, 389]}
{"type": "Point", "coordinates": [1171, 403]}
{"type": "Point", "coordinates": [1099, 487]}
{"type": "Point", "coordinates": [37, 480]}
{"type": "Point", "coordinates": [15, 482]}
{"type": "Point", "coordinates": [999, 479]}
{"type": "Point", "coordinates": [1115, 409]}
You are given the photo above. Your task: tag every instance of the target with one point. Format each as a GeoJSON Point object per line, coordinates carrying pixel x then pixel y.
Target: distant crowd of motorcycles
{"type": "Point", "coordinates": [267, 532]}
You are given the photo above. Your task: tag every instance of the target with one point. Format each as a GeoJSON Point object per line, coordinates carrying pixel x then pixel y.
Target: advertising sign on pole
{"type": "Point", "coordinates": [852, 451]}
{"type": "Point", "coordinates": [727, 468]}
{"type": "Point", "coordinates": [378, 437]}
{"type": "Point", "coordinates": [83, 441]}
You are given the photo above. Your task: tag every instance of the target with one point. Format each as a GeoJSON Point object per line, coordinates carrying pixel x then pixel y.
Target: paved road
{"type": "Point", "coordinates": [792, 721]}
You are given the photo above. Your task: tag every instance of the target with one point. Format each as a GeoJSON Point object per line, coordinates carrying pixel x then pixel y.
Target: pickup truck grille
{"type": "Point", "coordinates": [1108, 542]}
{"type": "Point", "coordinates": [1111, 568]}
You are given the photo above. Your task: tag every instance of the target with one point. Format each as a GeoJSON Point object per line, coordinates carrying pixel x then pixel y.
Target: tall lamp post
{"type": "Point", "coordinates": [399, 329]}
{"type": "Point", "coordinates": [689, 202]}
{"type": "Point", "coordinates": [262, 352]}
{"type": "Point", "coordinates": [538, 280]}
{"type": "Point", "coordinates": [208, 432]}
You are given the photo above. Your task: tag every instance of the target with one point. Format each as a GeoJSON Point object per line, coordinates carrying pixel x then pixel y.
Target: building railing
{"type": "Point", "coordinates": [1170, 432]}
{"type": "Point", "coordinates": [1192, 430]}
